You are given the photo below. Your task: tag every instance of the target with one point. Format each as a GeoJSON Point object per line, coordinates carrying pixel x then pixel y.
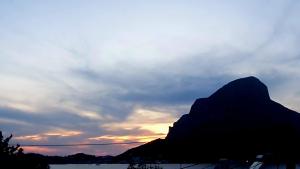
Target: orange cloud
{"type": "Point", "coordinates": [126, 138]}
{"type": "Point", "coordinates": [150, 124]}
{"type": "Point", "coordinates": [154, 121]}
{"type": "Point", "coordinates": [63, 133]}
{"type": "Point", "coordinates": [52, 133]}
{"type": "Point", "coordinates": [31, 137]}
{"type": "Point", "coordinates": [142, 125]}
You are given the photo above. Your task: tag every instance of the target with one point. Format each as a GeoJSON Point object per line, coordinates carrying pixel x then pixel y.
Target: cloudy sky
{"type": "Point", "coordinates": [117, 71]}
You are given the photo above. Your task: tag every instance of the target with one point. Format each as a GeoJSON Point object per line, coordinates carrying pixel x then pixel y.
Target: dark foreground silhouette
{"type": "Point", "coordinates": [238, 121]}
{"type": "Point", "coordinates": [12, 157]}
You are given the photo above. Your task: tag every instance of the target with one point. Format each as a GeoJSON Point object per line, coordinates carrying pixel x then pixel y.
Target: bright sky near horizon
{"type": "Point", "coordinates": [124, 70]}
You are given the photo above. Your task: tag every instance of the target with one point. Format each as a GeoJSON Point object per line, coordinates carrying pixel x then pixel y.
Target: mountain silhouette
{"type": "Point", "coordinates": [237, 121]}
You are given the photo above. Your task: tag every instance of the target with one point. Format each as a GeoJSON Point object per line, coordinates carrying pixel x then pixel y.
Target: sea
{"type": "Point", "coordinates": [164, 166]}
{"type": "Point", "coordinates": [124, 166]}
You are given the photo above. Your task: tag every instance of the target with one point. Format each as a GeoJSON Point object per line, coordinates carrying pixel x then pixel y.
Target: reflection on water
{"type": "Point", "coordinates": [124, 166]}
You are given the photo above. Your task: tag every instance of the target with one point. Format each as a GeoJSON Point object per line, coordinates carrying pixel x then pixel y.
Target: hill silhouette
{"type": "Point", "coordinates": [79, 158]}
{"type": "Point", "coordinates": [237, 121]}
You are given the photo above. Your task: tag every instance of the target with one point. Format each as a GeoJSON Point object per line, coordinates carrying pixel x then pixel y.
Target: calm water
{"type": "Point", "coordinates": [122, 166]}
{"type": "Point", "coordinates": [164, 166]}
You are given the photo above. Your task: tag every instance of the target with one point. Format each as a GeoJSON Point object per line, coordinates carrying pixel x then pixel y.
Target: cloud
{"type": "Point", "coordinates": [115, 72]}
{"type": "Point", "coordinates": [47, 135]}
{"type": "Point", "coordinates": [63, 133]}
{"type": "Point", "coordinates": [14, 122]}
{"type": "Point", "coordinates": [30, 138]}
{"type": "Point", "coordinates": [151, 120]}
{"type": "Point", "coordinates": [126, 138]}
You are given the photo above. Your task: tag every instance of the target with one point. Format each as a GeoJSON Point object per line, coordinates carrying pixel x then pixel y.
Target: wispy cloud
{"type": "Point", "coordinates": [115, 71]}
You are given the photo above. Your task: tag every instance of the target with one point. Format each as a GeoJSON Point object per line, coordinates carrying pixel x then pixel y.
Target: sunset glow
{"type": "Point", "coordinates": [63, 133]}
{"type": "Point", "coordinates": [45, 136]}
{"type": "Point", "coordinates": [127, 138]}
{"type": "Point", "coordinates": [154, 121]}
{"type": "Point", "coordinates": [120, 71]}
{"type": "Point", "coordinates": [41, 150]}
{"type": "Point", "coordinates": [30, 138]}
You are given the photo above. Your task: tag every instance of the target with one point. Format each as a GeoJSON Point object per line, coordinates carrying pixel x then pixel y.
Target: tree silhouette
{"type": "Point", "coordinates": [12, 156]}
{"type": "Point", "coordinates": [6, 149]}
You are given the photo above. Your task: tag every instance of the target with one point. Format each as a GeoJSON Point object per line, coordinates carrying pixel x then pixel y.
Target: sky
{"type": "Point", "coordinates": [111, 71]}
